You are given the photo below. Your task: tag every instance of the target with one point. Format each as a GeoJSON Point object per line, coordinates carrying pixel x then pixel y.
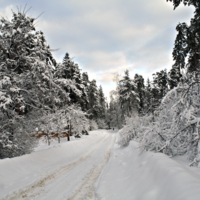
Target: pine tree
{"type": "Point", "coordinates": [148, 97]}
{"type": "Point", "coordinates": [160, 82]}
{"type": "Point", "coordinates": [86, 83]}
{"type": "Point", "coordinates": [139, 82]}
{"type": "Point", "coordinates": [128, 96]}
{"type": "Point", "coordinates": [94, 103]}
{"type": "Point", "coordinates": [115, 117]}
{"type": "Point", "coordinates": [69, 73]}
{"type": "Point", "coordinates": [102, 102]}
{"type": "Point", "coordinates": [188, 39]}
{"type": "Point", "coordinates": [180, 49]}
{"type": "Point", "coordinates": [173, 77]}
{"type": "Point", "coordinates": [193, 41]}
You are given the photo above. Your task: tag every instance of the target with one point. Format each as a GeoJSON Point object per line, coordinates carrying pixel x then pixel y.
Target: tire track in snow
{"type": "Point", "coordinates": [34, 189]}
{"type": "Point", "coordinates": [86, 190]}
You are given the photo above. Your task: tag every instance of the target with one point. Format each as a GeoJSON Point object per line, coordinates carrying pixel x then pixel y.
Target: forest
{"type": "Point", "coordinates": [39, 96]}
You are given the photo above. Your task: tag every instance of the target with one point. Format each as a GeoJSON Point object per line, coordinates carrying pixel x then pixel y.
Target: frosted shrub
{"type": "Point", "coordinates": [174, 127]}
{"type": "Point", "coordinates": [134, 129]}
{"type": "Point", "coordinates": [93, 125]}
{"type": "Point", "coordinates": [79, 121]}
{"type": "Point", "coordinates": [178, 121]}
{"type": "Point", "coordinates": [101, 124]}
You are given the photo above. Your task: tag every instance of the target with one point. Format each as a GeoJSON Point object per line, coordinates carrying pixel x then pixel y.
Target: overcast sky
{"type": "Point", "coordinates": [108, 36]}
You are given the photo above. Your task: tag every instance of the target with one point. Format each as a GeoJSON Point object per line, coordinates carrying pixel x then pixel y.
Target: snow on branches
{"type": "Point", "coordinates": [173, 128]}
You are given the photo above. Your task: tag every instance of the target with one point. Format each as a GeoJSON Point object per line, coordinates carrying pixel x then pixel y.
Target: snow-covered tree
{"type": "Point", "coordinates": [140, 89]}
{"type": "Point", "coordinates": [128, 97]}
{"type": "Point", "coordinates": [148, 97]}
{"type": "Point", "coordinates": [93, 125]}
{"type": "Point", "coordinates": [102, 102]}
{"type": "Point", "coordinates": [69, 70]}
{"type": "Point", "coordinates": [94, 103]}
{"type": "Point", "coordinates": [114, 116]}
{"type": "Point", "coordinates": [26, 77]}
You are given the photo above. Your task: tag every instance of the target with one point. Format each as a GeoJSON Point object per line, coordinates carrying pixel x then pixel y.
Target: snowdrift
{"type": "Point", "coordinates": [134, 175]}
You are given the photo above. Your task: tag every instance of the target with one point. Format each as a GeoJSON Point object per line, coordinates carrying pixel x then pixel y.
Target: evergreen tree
{"type": "Point", "coordinates": [160, 82]}
{"type": "Point", "coordinates": [160, 87]}
{"type": "Point", "coordinates": [69, 72]}
{"type": "Point", "coordinates": [180, 49]}
{"type": "Point", "coordinates": [193, 47]}
{"type": "Point", "coordinates": [173, 77]}
{"type": "Point", "coordinates": [115, 118]}
{"type": "Point", "coordinates": [148, 97]}
{"type": "Point", "coordinates": [128, 96]}
{"type": "Point", "coordinates": [94, 103]}
{"type": "Point", "coordinates": [86, 84]}
{"type": "Point", "coordinates": [140, 89]}
{"type": "Point", "coordinates": [102, 102]}
{"type": "Point", "coordinates": [188, 39]}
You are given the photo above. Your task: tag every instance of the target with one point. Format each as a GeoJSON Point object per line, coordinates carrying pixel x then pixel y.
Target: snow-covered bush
{"type": "Point", "coordinates": [174, 127]}
{"type": "Point", "coordinates": [79, 121]}
{"type": "Point", "coordinates": [178, 119]}
{"type": "Point", "coordinates": [101, 124]}
{"type": "Point", "coordinates": [135, 128]}
{"type": "Point", "coordinates": [93, 125]}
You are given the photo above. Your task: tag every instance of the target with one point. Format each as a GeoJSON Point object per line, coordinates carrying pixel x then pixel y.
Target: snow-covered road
{"type": "Point", "coordinates": [96, 168]}
{"type": "Point", "coordinates": [67, 171]}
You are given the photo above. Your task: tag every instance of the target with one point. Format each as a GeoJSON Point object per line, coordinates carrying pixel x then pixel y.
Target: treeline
{"type": "Point", "coordinates": [134, 96]}
{"type": "Point", "coordinates": [164, 115]}
{"type": "Point", "coordinates": [37, 93]}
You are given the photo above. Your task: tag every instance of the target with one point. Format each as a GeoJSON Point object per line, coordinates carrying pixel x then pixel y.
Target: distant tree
{"type": "Point", "coordinates": [180, 49]}
{"type": "Point", "coordinates": [148, 97]}
{"type": "Point", "coordinates": [173, 77]}
{"type": "Point", "coordinates": [94, 103]}
{"type": "Point", "coordinates": [116, 116]}
{"type": "Point", "coordinates": [102, 102]}
{"type": "Point", "coordinates": [140, 89]}
{"type": "Point", "coordinates": [128, 97]}
{"type": "Point", "coordinates": [160, 82]}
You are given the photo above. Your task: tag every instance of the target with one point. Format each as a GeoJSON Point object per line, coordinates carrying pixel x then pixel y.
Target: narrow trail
{"type": "Point", "coordinates": [71, 181]}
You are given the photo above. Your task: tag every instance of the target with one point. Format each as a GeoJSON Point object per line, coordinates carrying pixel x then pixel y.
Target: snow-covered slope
{"type": "Point", "coordinates": [95, 167]}
{"type": "Point", "coordinates": [134, 175]}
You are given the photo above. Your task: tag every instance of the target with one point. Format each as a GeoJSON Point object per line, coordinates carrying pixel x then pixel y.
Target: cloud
{"type": "Point", "coordinates": [6, 11]}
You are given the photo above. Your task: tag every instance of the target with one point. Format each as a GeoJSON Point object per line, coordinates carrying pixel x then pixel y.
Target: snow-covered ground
{"type": "Point", "coordinates": [94, 167]}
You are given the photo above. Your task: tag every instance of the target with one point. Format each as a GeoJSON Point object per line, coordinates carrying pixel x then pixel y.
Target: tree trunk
{"type": "Point", "coordinates": [179, 73]}
{"type": "Point", "coordinates": [70, 129]}
{"type": "Point", "coordinates": [58, 139]}
{"type": "Point", "coordinates": [195, 57]}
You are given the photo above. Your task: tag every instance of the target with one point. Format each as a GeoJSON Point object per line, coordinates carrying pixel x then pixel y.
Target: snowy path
{"type": "Point", "coordinates": [96, 168]}
{"type": "Point", "coordinates": [73, 180]}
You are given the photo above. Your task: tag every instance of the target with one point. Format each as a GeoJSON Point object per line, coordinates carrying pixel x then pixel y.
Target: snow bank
{"type": "Point", "coordinates": [134, 175]}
